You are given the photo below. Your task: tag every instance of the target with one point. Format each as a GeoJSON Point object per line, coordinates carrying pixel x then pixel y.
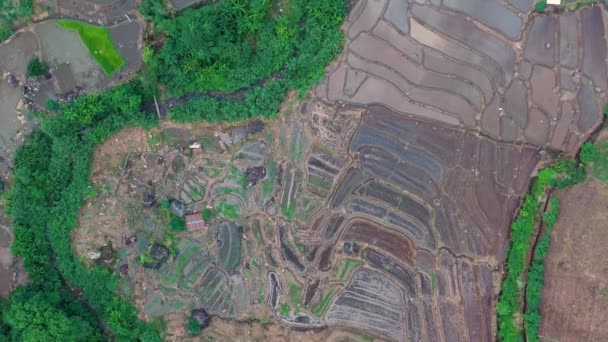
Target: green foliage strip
{"type": "Point", "coordinates": [560, 175]}
{"type": "Point", "coordinates": [51, 181]}
{"type": "Point", "coordinates": [536, 274]}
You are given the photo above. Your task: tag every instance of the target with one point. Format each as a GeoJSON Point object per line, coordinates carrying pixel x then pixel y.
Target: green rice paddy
{"type": "Point", "coordinates": [98, 42]}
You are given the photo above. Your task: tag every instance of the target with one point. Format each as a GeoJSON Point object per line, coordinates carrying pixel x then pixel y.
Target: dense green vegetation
{"type": "Point", "coordinates": [13, 13]}
{"type": "Point", "coordinates": [242, 57]}
{"type": "Point", "coordinates": [509, 308]}
{"type": "Point", "coordinates": [536, 273]}
{"type": "Point", "coordinates": [98, 42]}
{"type": "Point", "coordinates": [174, 223]}
{"type": "Point", "coordinates": [593, 155]}
{"type": "Point", "coordinates": [193, 328]}
{"type": "Point", "coordinates": [35, 67]}
{"type": "Point", "coordinates": [69, 300]}
{"type": "Point", "coordinates": [597, 156]}
{"type": "Point", "coordinates": [540, 6]}
{"type": "Point", "coordinates": [239, 57]}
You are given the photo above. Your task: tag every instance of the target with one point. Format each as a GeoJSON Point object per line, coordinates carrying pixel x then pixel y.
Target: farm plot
{"type": "Point", "coordinates": [85, 69]}
{"type": "Point", "coordinates": [575, 297]}
{"type": "Point", "coordinates": [98, 42]}
{"type": "Point", "coordinates": [416, 212]}
{"type": "Point", "coordinates": [94, 11]}
{"type": "Point", "coordinates": [407, 57]}
{"type": "Point", "coordinates": [419, 194]}
{"type": "Point", "coordinates": [389, 220]}
{"type": "Point", "coordinates": [370, 301]}
{"type": "Point", "coordinates": [229, 253]}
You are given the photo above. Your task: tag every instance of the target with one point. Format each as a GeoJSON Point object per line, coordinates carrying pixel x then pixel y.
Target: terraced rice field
{"type": "Point", "coordinates": [505, 73]}
{"type": "Point", "coordinates": [385, 200]}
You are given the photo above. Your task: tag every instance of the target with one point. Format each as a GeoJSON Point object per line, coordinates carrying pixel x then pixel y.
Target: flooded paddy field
{"type": "Point", "coordinates": [72, 70]}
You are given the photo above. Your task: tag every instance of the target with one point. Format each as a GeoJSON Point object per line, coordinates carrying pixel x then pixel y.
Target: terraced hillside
{"type": "Point", "coordinates": [490, 66]}
{"type": "Point", "coordinates": [381, 206]}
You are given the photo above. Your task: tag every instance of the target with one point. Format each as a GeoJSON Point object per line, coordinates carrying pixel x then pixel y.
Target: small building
{"type": "Point", "coordinates": [554, 2]}
{"type": "Point", "coordinates": [195, 222]}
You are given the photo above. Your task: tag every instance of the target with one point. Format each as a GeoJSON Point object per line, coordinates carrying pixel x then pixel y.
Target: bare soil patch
{"type": "Point", "coordinates": [575, 296]}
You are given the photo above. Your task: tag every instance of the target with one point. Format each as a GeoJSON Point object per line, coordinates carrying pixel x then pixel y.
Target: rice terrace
{"type": "Point", "coordinates": [303, 170]}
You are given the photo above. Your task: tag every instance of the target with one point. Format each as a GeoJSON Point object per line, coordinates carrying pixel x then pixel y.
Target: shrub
{"type": "Point", "coordinates": [589, 153]}
{"type": "Point", "coordinates": [5, 30]}
{"type": "Point", "coordinates": [559, 175]}
{"type": "Point", "coordinates": [36, 67]}
{"type": "Point", "coordinates": [540, 6]}
{"type": "Point", "coordinates": [176, 223]}
{"type": "Point", "coordinates": [193, 328]}
{"type": "Point", "coordinates": [207, 213]}
{"type": "Point", "coordinates": [49, 186]}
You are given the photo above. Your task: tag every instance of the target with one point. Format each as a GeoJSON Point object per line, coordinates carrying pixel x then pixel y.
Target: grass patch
{"type": "Point", "coordinates": [268, 183]}
{"type": "Point", "coordinates": [320, 183]}
{"type": "Point", "coordinates": [584, 3]}
{"type": "Point", "coordinates": [296, 148]}
{"type": "Point", "coordinates": [207, 142]}
{"type": "Point", "coordinates": [238, 176]}
{"type": "Point", "coordinates": [347, 266]}
{"type": "Point", "coordinates": [326, 298]}
{"type": "Point", "coordinates": [284, 310]}
{"type": "Point", "coordinates": [258, 234]}
{"type": "Point", "coordinates": [262, 291]}
{"type": "Point", "coordinates": [288, 211]}
{"type": "Point", "coordinates": [153, 142]}
{"type": "Point", "coordinates": [597, 156]}
{"type": "Point", "coordinates": [228, 210]}
{"type": "Point", "coordinates": [294, 293]}
{"type": "Point", "coordinates": [98, 42]}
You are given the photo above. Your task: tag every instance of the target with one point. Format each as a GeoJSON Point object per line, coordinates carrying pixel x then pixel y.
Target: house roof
{"type": "Point", "coordinates": [195, 222]}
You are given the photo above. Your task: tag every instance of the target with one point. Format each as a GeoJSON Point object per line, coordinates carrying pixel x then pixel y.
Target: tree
{"type": "Point", "coordinates": [33, 317]}
{"type": "Point", "coordinates": [36, 68]}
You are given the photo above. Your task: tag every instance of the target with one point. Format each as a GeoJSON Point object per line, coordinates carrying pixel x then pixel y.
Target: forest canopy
{"type": "Point", "coordinates": [241, 57]}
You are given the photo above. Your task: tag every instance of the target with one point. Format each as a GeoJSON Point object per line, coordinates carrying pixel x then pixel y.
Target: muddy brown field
{"type": "Point", "coordinates": [575, 296]}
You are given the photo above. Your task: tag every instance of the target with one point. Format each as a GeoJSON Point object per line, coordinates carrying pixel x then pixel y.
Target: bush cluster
{"type": "Point", "coordinates": [241, 58]}
{"type": "Point", "coordinates": [536, 274]}
{"type": "Point", "coordinates": [560, 175]}
{"type": "Point", "coordinates": [36, 68]}
{"type": "Point", "coordinates": [50, 184]}
{"type": "Point", "coordinates": [13, 13]}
